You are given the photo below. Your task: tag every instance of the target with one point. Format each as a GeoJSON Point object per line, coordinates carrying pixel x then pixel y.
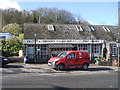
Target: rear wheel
{"type": "Point", "coordinates": [85, 66]}
{"type": "Point", "coordinates": [61, 66]}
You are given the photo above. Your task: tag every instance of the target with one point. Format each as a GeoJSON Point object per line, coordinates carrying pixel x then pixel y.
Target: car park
{"type": "Point", "coordinates": [70, 59]}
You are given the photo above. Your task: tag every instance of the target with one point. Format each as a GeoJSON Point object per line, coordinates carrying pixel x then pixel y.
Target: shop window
{"type": "Point", "coordinates": [96, 48]}
{"type": "Point", "coordinates": [83, 47]}
{"type": "Point", "coordinates": [114, 50]}
{"type": "Point", "coordinates": [30, 45]}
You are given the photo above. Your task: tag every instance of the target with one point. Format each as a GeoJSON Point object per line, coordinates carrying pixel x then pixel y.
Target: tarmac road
{"type": "Point", "coordinates": [41, 76]}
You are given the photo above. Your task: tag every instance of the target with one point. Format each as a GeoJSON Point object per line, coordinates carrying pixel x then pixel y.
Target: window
{"type": "Point", "coordinates": [30, 50]}
{"type": "Point", "coordinates": [79, 28]}
{"type": "Point", "coordinates": [51, 27]}
{"type": "Point", "coordinates": [63, 54]}
{"type": "Point", "coordinates": [30, 45]}
{"type": "Point", "coordinates": [92, 28]}
{"type": "Point", "coordinates": [114, 50]}
{"type": "Point", "coordinates": [3, 37]}
{"type": "Point", "coordinates": [83, 47]}
{"type": "Point", "coordinates": [71, 56]}
{"type": "Point", "coordinates": [96, 48]}
{"type": "Point", "coordinates": [80, 55]}
{"type": "Point", "coordinates": [106, 29]}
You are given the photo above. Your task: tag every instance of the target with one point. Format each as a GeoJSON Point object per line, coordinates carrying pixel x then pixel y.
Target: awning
{"type": "Point", "coordinates": [61, 46]}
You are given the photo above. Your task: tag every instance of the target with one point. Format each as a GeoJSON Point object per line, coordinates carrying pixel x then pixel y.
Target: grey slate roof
{"type": "Point", "coordinates": [69, 31]}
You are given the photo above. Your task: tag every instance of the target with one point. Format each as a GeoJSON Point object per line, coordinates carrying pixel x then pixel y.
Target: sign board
{"type": "Point", "coordinates": [56, 41]}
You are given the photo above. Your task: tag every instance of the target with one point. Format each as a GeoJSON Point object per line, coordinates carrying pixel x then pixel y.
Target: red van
{"type": "Point", "coordinates": [70, 59]}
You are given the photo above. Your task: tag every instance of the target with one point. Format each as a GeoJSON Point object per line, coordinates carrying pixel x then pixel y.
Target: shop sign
{"type": "Point", "coordinates": [31, 41]}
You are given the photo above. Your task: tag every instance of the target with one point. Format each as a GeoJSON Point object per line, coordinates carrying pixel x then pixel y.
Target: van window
{"type": "Point", "coordinates": [71, 56]}
{"type": "Point", "coordinates": [80, 55]}
{"type": "Point", "coordinates": [63, 54]}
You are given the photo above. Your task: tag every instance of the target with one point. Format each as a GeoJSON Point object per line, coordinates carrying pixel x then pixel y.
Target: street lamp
{"type": "Point", "coordinates": [35, 54]}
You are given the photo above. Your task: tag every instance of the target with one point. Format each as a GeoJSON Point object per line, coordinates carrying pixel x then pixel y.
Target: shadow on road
{"type": "Point", "coordinates": [99, 69]}
{"type": "Point", "coordinates": [14, 66]}
{"type": "Point", "coordinates": [89, 69]}
{"type": "Point", "coordinates": [59, 88]}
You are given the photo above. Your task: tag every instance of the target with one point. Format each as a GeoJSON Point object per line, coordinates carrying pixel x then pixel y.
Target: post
{"type": "Point", "coordinates": [35, 47]}
{"type": "Point", "coordinates": [92, 50]}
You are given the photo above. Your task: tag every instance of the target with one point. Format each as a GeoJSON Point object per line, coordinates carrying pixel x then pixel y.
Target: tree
{"type": "Point", "coordinates": [12, 46]}
{"type": "Point", "coordinates": [53, 15]}
{"type": "Point", "coordinates": [13, 28]}
{"type": "Point", "coordinates": [20, 37]}
{"type": "Point", "coordinates": [40, 15]}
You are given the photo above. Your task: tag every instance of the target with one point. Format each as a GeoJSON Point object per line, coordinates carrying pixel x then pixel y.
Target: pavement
{"type": "Point", "coordinates": [45, 69]}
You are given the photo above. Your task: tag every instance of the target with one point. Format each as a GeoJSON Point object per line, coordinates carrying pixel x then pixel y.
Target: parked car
{"type": "Point", "coordinates": [3, 61]}
{"type": "Point", "coordinates": [70, 59]}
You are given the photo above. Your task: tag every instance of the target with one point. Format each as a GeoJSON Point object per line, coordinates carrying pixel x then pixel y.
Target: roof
{"type": "Point", "coordinates": [5, 33]}
{"type": "Point", "coordinates": [69, 31]}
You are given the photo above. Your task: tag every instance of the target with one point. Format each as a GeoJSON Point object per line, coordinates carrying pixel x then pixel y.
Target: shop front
{"type": "Point", "coordinates": [46, 49]}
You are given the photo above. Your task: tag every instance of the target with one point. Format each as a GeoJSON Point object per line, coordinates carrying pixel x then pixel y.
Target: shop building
{"type": "Point", "coordinates": [43, 40]}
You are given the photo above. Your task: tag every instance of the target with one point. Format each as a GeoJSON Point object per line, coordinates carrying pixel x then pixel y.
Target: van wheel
{"type": "Point", "coordinates": [85, 66]}
{"type": "Point", "coordinates": [61, 67]}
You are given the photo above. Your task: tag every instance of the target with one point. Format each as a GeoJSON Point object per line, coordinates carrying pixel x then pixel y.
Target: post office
{"type": "Point", "coordinates": [43, 40]}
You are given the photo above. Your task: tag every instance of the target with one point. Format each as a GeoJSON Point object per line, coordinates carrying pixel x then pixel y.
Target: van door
{"type": "Point", "coordinates": [71, 60]}
{"type": "Point", "coordinates": [83, 58]}
{"type": "Point", "coordinates": [80, 58]}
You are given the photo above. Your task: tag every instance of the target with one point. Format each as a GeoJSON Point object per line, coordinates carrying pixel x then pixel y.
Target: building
{"type": "Point", "coordinates": [5, 35]}
{"type": "Point", "coordinates": [43, 40]}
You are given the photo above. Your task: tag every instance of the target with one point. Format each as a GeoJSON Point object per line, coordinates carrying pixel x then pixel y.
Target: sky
{"type": "Point", "coordinates": [97, 13]}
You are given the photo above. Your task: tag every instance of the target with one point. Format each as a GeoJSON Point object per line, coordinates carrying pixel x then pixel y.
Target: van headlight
{"type": "Point", "coordinates": [54, 63]}
{"type": "Point", "coordinates": [56, 60]}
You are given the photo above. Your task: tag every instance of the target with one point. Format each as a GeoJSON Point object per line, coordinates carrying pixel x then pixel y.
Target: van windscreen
{"type": "Point", "coordinates": [62, 54]}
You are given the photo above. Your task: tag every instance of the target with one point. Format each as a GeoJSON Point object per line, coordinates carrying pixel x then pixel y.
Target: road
{"type": "Point", "coordinates": [41, 76]}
